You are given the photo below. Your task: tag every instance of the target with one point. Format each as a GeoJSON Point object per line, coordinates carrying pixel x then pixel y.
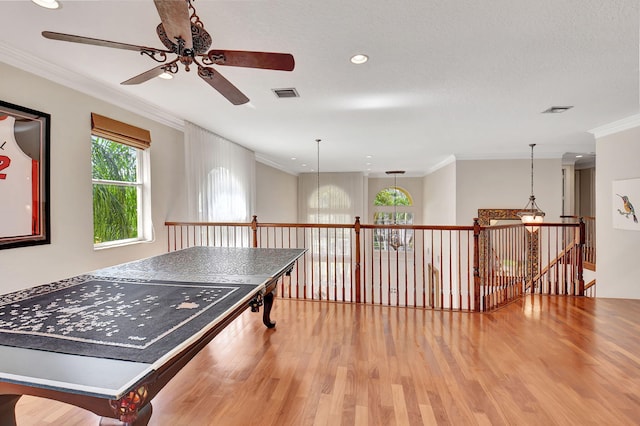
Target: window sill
{"type": "Point", "coordinates": [119, 243]}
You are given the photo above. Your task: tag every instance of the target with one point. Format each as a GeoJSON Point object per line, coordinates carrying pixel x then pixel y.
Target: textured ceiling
{"type": "Point", "coordinates": [460, 78]}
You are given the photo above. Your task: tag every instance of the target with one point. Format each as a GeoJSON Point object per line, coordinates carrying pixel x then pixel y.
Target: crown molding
{"type": "Point", "coordinates": [448, 160]}
{"type": "Point", "coordinates": [616, 126]}
{"type": "Point", "coordinates": [88, 86]}
{"type": "Point", "coordinates": [273, 164]}
{"type": "Point", "coordinates": [509, 156]}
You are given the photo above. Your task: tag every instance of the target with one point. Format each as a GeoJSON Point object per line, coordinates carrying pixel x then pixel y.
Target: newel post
{"type": "Point", "coordinates": [357, 231]}
{"type": "Point", "coordinates": [580, 255]}
{"type": "Point", "coordinates": [476, 265]}
{"type": "Point", "coordinates": [254, 231]}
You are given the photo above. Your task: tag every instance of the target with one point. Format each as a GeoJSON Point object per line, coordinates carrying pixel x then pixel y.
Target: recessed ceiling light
{"type": "Point", "coordinates": [556, 109]}
{"type": "Point", "coordinates": [48, 4]}
{"type": "Point", "coordinates": [368, 156]}
{"type": "Point", "coordinates": [579, 156]}
{"type": "Point", "coordinates": [359, 59]}
{"type": "Point", "coordinates": [293, 158]}
{"type": "Point", "coordinates": [303, 165]}
{"type": "Point", "coordinates": [166, 76]}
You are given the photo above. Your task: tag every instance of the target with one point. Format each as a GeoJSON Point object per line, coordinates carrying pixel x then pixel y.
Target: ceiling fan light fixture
{"type": "Point", "coordinates": [359, 59]}
{"type": "Point", "coordinates": [47, 4]}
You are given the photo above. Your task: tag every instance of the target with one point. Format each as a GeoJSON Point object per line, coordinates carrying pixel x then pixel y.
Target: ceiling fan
{"type": "Point", "coordinates": [182, 33]}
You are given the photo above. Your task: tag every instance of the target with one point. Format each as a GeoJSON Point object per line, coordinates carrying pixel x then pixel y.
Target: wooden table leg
{"type": "Point", "coordinates": [142, 418]}
{"type": "Point", "coordinates": [8, 409]}
{"type": "Point", "coordinates": [266, 313]}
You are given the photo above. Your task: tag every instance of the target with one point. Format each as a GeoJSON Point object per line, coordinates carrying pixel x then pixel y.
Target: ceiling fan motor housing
{"type": "Point", "coordinates": [201, 41]}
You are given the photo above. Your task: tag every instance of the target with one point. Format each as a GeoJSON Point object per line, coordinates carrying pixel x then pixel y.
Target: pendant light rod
{"type": "Point", "coordinates": [395, 174]}
{"type": "Point", "coordinates": [395, 199]}
{"type": "Point", "coordinates": [532, 198]}
{"type": "Point", "coordinates": [532, 145]}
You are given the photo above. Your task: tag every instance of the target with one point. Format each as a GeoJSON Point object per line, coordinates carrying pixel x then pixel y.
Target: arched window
{"type": "Point", "coordinates": [329, 204]}
{"type": "Point", "coordinates": [391, 207]}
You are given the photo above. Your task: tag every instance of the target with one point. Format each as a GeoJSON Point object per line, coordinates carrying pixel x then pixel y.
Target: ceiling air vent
{"type": "Point", "coordinates": [286, 93]}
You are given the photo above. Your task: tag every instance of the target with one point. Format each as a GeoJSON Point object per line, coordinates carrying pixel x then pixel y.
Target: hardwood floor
{"type": "Point", "coordinates": [539, 361]}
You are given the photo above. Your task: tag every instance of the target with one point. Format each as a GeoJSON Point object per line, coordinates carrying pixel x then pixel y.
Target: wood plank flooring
{"type": "Point", "coordinates": [539, 361]}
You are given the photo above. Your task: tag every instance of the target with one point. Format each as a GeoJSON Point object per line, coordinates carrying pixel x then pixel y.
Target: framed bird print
{"type": "Point", "coordinates": [24, 176]}
{"type": "Point", "coordinates": [626, 204]}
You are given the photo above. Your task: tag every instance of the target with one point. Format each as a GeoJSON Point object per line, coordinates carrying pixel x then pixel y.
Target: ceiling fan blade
{"type": "Point", "coordinates": [222, 85]}
{"type": "Point", "coordinates": [98, 42]}
{"type": "Point", "coordinates": [174, 15]}
{"type": "Point", "coordinates": [241, 58]}
{"type": "Point", "coordinates": [145, 76]}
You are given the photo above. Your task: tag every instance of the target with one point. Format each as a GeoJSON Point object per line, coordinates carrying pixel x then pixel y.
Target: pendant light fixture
{"type": "Point", "coordinates": [531, 214]}
{"type": "Point", "coordinates": [394, 239]}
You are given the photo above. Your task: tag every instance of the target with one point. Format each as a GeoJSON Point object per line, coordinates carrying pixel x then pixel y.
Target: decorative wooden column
{"type": "Point", "coordinates": [580, 255]}
{"type": "Point", "coordinates": [254, 231]}
{"type": "Point", "coordinates": [476, 265]}
{"type": "Point", "coordinates": [357, 231]}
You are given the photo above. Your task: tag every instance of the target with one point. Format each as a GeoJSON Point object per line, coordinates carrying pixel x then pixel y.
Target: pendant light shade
{"type": "Point", "coordinates": [531, 214]}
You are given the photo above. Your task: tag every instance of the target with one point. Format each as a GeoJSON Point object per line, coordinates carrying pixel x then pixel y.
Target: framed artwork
{"type": "Point", "coordinates": [24, 176]}
{"type": "Point", "coordinates": [495, 217]}
{"type": "Point", "coordinates": [625, 201]}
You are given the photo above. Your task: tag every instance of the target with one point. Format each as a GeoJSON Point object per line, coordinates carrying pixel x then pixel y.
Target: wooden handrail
{"type": "Point", "coordinates": [439, 266]}
{"type": "Point", "coordinates": [185, 223]}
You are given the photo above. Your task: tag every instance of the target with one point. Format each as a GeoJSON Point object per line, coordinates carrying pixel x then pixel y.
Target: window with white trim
{"type": "Point", "coordinates": [121, 199]}
{"type": "Point", "coordinates": [392, 206]}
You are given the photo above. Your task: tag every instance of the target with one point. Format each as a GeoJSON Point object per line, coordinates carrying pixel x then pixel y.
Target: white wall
{"type": "Point", "coordinates": [71, 250]}
{"type": "Point", "coordinates": [276, 195]}
{"type": "Point", "coordinates": [440, 196]}
{"type": "Point", "coordinates": [451, 195]}
{"type": "Point", "coordinates": [506, 184]}
{"type": "Point", "coordinates": [618, 251]}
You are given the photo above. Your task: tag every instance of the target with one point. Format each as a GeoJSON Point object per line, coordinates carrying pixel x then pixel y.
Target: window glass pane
{"type": "Point", "coordinates": [391, 197]}
{"type": "Point", "coordinates": [387, 239]}
{"type": "Point", "coordinates": [115, 212]}
{"type": "Point", "coordinates": [113, 161]}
